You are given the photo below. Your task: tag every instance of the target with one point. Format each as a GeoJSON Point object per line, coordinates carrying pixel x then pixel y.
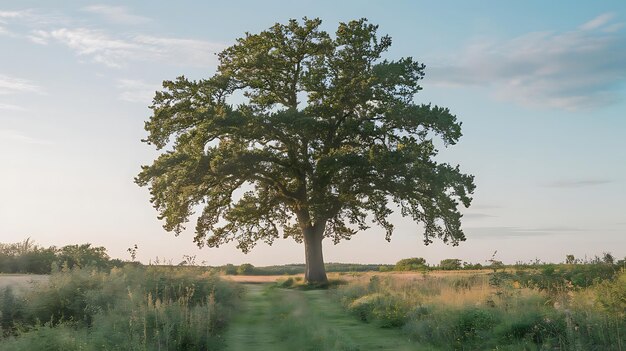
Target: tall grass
{"type": "Point", "coordinates": [130, 308]}
{"type": "Point", "coordinates": [494, 312]}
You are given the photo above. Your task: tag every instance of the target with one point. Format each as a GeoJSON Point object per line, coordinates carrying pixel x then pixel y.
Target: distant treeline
{"type": "Point", "coordinates": [249, 269]}
{"type": "Point", "coordinates": [27, 257]}
{"type": "Point", "coordinates": [419, 264]}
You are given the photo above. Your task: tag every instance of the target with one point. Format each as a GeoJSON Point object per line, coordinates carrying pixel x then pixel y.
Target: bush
{"type": "Point", "coordinates": [450, 264]}
{"type": "Point", "coordinates": [245, 269]}
{"type": "Point", "coordinates": [611, 295]}
{"type": "Point", "coordinates": [132, 308]}
{"type": "Point", "coordinates": [410, 264]}
{"type": "Point", "coordinates": [535, 308]}
{"type": "Point", "coordinates": [472, 321]}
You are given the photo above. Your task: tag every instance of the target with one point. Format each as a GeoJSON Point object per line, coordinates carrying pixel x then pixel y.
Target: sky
{"type": "Point", "coordinates": [539, 87]}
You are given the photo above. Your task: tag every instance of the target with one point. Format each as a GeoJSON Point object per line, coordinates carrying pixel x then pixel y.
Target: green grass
{"type": "Point", "coordinates": [167, 308]}
{"type": "Point", "coordinates": [494, 312]}
{"type": "Point", "coordinates": [291, 319]}
{"type": "Point", "coordinates": [132, 308]}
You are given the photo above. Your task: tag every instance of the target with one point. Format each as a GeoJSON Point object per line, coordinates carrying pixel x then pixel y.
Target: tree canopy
{"type": "Point", "coordinates": [303, 134]}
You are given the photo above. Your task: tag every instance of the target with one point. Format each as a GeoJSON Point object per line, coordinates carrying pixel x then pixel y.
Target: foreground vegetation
{"type": "Point", "coordinates": [129, 308]}
{"type": "Point", "coordinates": [275, 319]}
{"type": "Point", "coordinates": [562, 308]}
{"type": "Point", "coordinates": [91, 302]}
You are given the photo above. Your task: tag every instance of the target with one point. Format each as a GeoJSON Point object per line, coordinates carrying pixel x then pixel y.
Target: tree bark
{"type": "Point", "coordinates": [315, 272]}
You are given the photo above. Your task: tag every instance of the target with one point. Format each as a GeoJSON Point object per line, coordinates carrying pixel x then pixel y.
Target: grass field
{"type": "Point", "coordinates": [477, 310]}
{"type": "Point", "coordinates": [129, 308]}
{"type": "Point", "coordinates": [190, 308]}
{"type": "Point", "coordinates": [282, 319]}
{"type": "Point", "coordinates": [516, 310]}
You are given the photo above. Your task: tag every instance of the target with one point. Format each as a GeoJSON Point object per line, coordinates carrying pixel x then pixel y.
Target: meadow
{"type": "Point", "coordinates": [128, 308]}
{"type": "Point", "coordinates": [579, 306]}
{"type": "Point", "coordinates": [566, 307]}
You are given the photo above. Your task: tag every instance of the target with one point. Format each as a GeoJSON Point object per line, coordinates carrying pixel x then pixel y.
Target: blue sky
{"type": "Point", "coordinates": [540, 89]}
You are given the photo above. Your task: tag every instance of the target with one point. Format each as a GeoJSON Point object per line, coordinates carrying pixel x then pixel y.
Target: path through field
{"type": "Point", "coordinates": [281, 320]}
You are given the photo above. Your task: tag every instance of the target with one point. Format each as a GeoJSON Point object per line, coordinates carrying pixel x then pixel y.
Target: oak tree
{"type": "Point", "coordinates": [305, 135]}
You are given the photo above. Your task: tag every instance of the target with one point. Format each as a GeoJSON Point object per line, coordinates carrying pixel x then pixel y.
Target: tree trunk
{"type": "Point", "coordinates": [315, 272]}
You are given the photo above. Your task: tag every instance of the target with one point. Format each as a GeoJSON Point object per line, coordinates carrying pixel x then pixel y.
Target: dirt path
{"type": "Point", "coordinates": [278, 319]}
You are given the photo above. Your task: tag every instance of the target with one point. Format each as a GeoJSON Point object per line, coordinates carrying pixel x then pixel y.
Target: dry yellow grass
{"type": "Point", "coordinates": [257, 279]}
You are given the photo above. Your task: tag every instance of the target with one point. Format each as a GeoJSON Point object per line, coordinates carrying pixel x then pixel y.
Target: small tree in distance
{"type": "Point", "coordinates": [327, 137]}
{"type": "Point", "coordinates": [450, 264]}
{"type": "Point", "coordinates": [410, 264]}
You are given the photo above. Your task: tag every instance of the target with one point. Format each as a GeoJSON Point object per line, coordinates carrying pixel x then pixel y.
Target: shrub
{"type": "Point", "coordinates": [132, 308]}
{"type": "Point", "coordinates": [287, 283]}
{"type": "Point", "coordinates": [473, 320]}
{"type": "Point", "coordinates": [245, 269]}
{"type": "Point", "coordinates": [410, 264]}
{"type": "Point", "coordinates": [450, 264]}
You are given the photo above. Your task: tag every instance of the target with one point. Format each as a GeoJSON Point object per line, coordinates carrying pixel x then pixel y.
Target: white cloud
{"type": "Point", "coordinates": [33, 18]}
{"type": "Point", "coordinates": [579, 183]}
{"type": "Point", "coordinates": [10, 107]}
{"type": "Point", "coordinates": [88, 42]}
{"type": "Point", "coordinates": [117, 14]}
{"type": "Point", "coordinates": [184, 51]}
{"type": "Point", "coordinates": [597, 22]}
{"type": "Point", "coordinates": [477, 215]}
{"type": "Point", "coordinates": [105, 48]}
{"type": "Point", "coordinates": [13, 14]}
{"type": "Point", "coordinates": [507, 232]}
{"type": "Point", "coordinates": [136, 91]}
{"type": "Point", "coordinates": [12, 85]}
{"type": "Point", "coordinates": [11, 135]}
{"type": "Point", "coordinates": [117, 52]}
{"type": "Point", "coordinates": [39, 37]}
{"type": "Point", "coordinates": [6, 16]}
{"type": "Point", "coordinates": [570, 70]}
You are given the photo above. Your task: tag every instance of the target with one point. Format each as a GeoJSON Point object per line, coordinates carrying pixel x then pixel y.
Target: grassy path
{"type": "Point", "coordinates": [251, 329]}
{"type": "Point", "coordinates": [277, 319]}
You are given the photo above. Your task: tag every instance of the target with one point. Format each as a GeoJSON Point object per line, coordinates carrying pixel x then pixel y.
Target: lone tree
{"type": "Point", "coordinates": [325, 136]}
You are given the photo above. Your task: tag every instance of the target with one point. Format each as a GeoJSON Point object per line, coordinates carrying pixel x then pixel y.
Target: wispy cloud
{"type": "Point", "coordinates": [581, 68]}
{"type": "Point", "coordinates": [503, 232]}
{"type": "Point", "coordinates": [186, 51]}
{"type": "Point", "coordinates": [117, 14]}
{"type": "Point", "coordinates": [598, 22]}
{"type": "Point", "coordinates": [105, 47]}
{"type": "Point", "coordinates": [13, 14]}
{"type": "Point", "coordinates": [88, 42]}
{"type": "Point", "coordinates": [11, 107]}
{"type": "Point", "coordinates": [117, 52]}
{"type": "Point", "coordinates": [13, 136]}
{"type": "Point", "coordinates": [12, 85]}
{"type": "Point", "coordinates": [485, 206]}
{"type": "Point", "coordinates": [33, 18]}
{"type": "Point", "coordinates": [579, 183]}
{"type": "Point", "coordinates": [477, 215]}
{"type": "Point", "coordinates": [136, 91]}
